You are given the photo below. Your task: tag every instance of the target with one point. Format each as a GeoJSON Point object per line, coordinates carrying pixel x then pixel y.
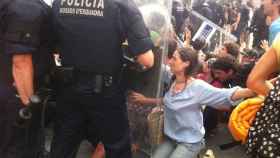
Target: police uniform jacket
{"type": "Point", "coordinates": [24, 28]}
{"type": "Point", "coordinates": [90, 33]}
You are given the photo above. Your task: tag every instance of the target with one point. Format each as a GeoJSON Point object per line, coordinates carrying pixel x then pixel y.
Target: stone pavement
{"type": "Point", "coordinates": [212, 150]}
{"type": "Point", "coordinates": [222, 136]}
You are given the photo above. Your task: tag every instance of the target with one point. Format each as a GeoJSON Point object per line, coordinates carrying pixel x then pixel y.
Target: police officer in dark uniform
{"type": "Point", "coordinates": [23, 42]}
{"type": "Point", "coordinates": [90, 34]}
{"type": "Point", "coordinates": [180, 14]}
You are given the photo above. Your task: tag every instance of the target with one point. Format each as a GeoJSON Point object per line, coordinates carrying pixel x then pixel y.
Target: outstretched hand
{"type": "Point", "coordinates": [136, 98]}
{"type": "Point", "coordinates": [264, 45]}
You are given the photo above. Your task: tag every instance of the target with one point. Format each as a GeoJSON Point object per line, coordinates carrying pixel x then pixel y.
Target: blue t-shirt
{"type": "Point", "coordinates": [183, 119]}
{"type": "Point", "coordinates": [273, 30]}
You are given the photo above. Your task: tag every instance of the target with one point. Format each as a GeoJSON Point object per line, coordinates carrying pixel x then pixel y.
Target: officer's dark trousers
{"type": "Point", "coordinates": [104, 115]}
{"type": "Point", "coordinates": [15, 141]}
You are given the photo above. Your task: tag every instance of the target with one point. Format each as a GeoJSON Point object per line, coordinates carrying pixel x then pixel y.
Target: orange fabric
{"type": "Point", "coordinates": [242, 117]}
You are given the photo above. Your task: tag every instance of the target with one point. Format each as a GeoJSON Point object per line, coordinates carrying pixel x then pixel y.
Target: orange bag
{"type": "Point", "coordinates": [242, 117]}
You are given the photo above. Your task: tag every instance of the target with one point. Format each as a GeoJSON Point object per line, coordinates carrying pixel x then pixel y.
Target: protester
{"type": "Point", "coordinates": [267, 65]}
{"type": "Point", "coordinates": [183, 121]}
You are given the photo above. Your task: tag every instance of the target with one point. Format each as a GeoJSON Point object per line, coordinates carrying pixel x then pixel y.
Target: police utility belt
{"type": "Point", "coordinates": [68, 76]}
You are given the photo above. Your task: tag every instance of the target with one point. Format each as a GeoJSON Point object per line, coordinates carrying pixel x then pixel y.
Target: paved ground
{"type": "Point", "coordinates": [212, 150]}
{"type": "Point", "coordinates": [223, 136]}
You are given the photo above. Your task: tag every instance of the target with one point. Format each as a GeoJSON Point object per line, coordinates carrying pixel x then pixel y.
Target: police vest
{"type": "Point", "coordinates": [5, 64]}
{"type": "Point", "coordinates": [89, 34]}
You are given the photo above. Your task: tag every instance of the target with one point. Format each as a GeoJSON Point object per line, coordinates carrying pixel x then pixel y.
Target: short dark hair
{"type": "Point", "coordinates": [189, 54]}
{"type": "Point", "coordinates": [226, 64]}
{"type": "Point", "coordinates": [232, 48]}
{"type": "Point", "coordinates": [199, 43]}
{"type": "Point", "coordinates": [250, 53]}
{"type": "Point", "coordinates": [172, 46]}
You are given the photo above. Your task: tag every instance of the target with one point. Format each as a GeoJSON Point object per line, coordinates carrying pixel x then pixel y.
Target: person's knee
{"type": "Point", "coordinates": [99, 151]}
{"type": "Point", "coordinates": [187, 150]}
{"type": "Point", "coordinates": [123, 142]}
{"type": "Point", "coordinates": [164, 150]}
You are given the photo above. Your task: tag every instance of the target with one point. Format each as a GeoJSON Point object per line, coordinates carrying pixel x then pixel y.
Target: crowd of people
{"type": "Point", "coordinates": [227, 66]}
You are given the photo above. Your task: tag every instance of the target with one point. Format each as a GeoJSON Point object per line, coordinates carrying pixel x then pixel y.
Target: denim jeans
{"type": "Point", "coordinates": [172, 149]}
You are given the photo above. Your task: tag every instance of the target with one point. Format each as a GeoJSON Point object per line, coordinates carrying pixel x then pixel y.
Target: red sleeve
{"type": "Point", "coordinates": [217, 84]}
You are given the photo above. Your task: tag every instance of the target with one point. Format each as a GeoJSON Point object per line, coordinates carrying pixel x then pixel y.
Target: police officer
{"type": "Point", "coordinates": [180, 14]}
{"type": "Point", "coordinates": [23, 39]}
{"type": "Point", "coordinates": [90, 34]}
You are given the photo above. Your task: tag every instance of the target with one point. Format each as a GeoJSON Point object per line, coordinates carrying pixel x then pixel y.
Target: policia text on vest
{"type": "Point", "coordinates": [82, 7]}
